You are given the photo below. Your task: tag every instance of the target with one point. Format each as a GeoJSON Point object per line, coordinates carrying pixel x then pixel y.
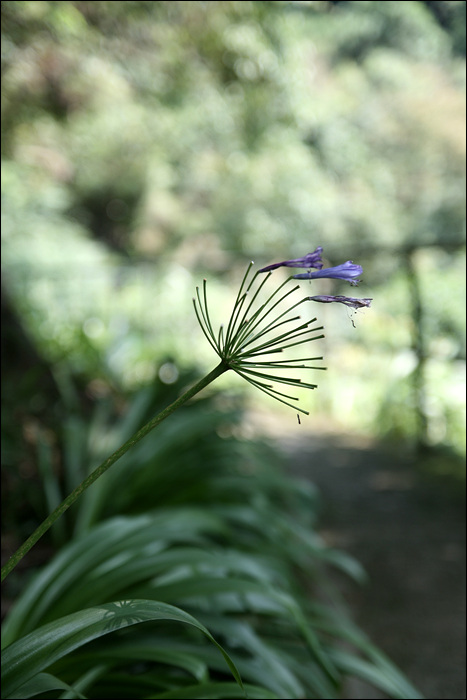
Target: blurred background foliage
{"type": "Point", "coordinates": [148, 144]}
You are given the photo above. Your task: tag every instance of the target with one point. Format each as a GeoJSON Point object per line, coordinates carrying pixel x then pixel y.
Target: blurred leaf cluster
{"type": "Point", "coordinates": [206, 542]}
{"type": "Point", "coordinates": [147, 143]}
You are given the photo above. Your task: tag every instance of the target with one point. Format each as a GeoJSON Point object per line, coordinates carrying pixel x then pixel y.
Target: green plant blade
{"type": "Point", "coordinates": [35, 652]}
{"type": "Point", "coordinates": [212, 691]}
{"type": "Point", "coordinates": [383, 676]}
{"type": "Point", "coordinates": [42, 683]}
{"type": "Point", "coordinates": [143, 648]}
{"type": "Point", "coordinates": [82, 557]}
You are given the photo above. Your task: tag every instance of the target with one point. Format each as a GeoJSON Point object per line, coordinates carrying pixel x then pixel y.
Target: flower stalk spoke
{"type": "Point", "coordinates": [244, 323]}
{"type": "Point", "coordinates": [206, 308]}
{"type": "Point", "coordinates": [271, 327]}
{"type": "Point", "coordinates": [275, 340]}
{"type": "Point", "coordinates": [302, 359]}
{"type": "Point", "coordinates": [241, 296]}
{"type": "Point", "coordinates": [203, 311]}
{"type": "Point", "coordinates": [257, 319]}
{"type": "Point", "coordinates": [280, 339]}
{"type": "Point", "coordinates": [294, 381]}
{"type": "Point", "coordinates": [205, 331]}
{"type": "Point", "coordinates": [277, 365]}
{"type": "Point", "coordinates": [275, 394]}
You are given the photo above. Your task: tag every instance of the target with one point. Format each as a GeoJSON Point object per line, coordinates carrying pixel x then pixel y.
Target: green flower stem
{"type": "Point", "coordinates": [76, 493]}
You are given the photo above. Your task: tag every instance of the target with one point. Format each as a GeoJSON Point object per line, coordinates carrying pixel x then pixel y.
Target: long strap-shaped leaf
{"type": "Point", "coordinates": [38, 650]}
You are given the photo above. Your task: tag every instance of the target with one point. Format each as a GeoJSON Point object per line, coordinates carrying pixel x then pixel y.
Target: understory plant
{"type": "Point", "coordinates": [193, 568]}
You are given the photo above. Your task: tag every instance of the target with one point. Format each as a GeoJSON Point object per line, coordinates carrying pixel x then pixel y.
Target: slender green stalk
{"type": "Point", "coordinates": [76, 493]}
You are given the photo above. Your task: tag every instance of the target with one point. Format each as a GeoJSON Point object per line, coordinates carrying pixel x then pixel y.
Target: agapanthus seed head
{"type": "Point", "coordinates": [259, 329]}
{"type": "Point", "coordinates": [258, 332]}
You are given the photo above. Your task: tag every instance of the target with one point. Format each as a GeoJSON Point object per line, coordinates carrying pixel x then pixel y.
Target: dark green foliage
{"type": "Point", "coordinates": [202, 520]}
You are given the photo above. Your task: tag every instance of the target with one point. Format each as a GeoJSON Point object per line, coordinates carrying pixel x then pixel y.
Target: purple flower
{"type": "Point", "coordinates": [348, 301]}
{"type": "Point", "coordinates": [347, 271]}
{"type": "Point", "coordinates": [310, 260]}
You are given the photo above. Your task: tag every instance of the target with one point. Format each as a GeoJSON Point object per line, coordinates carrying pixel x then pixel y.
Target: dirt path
{"type": "Point", "coordinates": [411, 543]}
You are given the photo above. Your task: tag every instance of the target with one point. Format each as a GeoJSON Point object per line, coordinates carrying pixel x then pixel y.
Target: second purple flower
{"type": "Point", "coordinates": [347, 271]}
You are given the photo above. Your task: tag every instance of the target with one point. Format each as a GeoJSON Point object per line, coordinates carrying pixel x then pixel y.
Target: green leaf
{"type": "Point", "coordinates": [376, 669]}
{"type": "Point", "coordinates": [42, 683]}
{"type": "Point", "coordinates": [153, 649]}
{"type": "Point", "coordinates": [384, 677]}
{"type": "Point", "coordinates": [82, 557]}
{"type": "Point", "coordinates": [211, 691]}
{"type": "Point", "coordinates": [27, 657]}
{"type": "Point", "coordinates": [264, 663]}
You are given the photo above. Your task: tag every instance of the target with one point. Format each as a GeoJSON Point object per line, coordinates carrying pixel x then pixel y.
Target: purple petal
{"type": "Point", "coordinates": [310, 260]}
{"type": "Point", "coordinates": [348, 301]}
{"type": "Point", "coordinates": [347, 271]}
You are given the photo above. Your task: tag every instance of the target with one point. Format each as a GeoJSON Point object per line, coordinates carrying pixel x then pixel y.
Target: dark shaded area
{"type": "Point", "coordinates": [108, 214]}
{"type": "Point", "coordinates": [29, 393]}
{"type": "Point", "coordinates": [409, 534]}
{"type": "Point", "coordinates": [451, 16]}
